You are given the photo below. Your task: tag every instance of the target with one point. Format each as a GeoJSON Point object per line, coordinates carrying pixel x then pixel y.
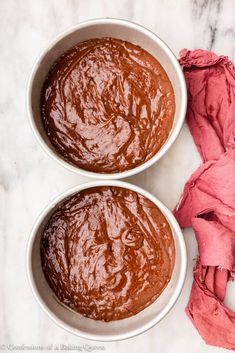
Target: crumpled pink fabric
{"type": "Point", "coordinates": [208, 201]}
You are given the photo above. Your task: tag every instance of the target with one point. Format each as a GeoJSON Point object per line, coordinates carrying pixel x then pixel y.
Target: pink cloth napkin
{"type": "Point", "coordinates": [208, 201]}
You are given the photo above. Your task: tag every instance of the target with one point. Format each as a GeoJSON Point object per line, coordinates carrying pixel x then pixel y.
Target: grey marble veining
{"type": "Point", "coordinates": [29, 179]}
{"type": "Point", "coordinates": [209, 11]}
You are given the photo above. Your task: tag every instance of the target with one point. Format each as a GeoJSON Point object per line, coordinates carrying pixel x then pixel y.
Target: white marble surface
{"type": "Point", "coordinates": [29, 179]}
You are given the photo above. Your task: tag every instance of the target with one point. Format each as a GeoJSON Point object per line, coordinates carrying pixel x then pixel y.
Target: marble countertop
{"type": "Point", "coordinates": [29, 179]}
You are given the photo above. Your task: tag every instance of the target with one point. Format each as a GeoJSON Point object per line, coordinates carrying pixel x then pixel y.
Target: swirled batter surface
{"type": "Point", "coordinates": [107, 105]}
{"type": "Point", "coordinates": [107, 253]}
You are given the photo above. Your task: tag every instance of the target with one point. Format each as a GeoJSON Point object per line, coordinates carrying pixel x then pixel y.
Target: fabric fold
{"type": "Point", "coordinates": [208, 201]}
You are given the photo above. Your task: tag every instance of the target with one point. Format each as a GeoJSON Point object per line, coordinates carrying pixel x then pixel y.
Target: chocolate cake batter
{"type": "Point", "coordinates": [107, 253]}
{"type": "Point", "coordinates": [107, 105]}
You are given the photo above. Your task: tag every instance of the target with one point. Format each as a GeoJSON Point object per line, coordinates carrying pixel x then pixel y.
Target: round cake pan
{"type": "Point", "coordinates": [98, 330]}
{"type": "Point", "coordinates": [97, 28]}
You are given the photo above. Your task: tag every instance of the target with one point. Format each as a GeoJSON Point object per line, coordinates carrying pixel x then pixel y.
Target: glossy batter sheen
{"type": "Point", "coordinates": [107, 105]}
{"type": "Point", "coordinates": [107, 253]}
